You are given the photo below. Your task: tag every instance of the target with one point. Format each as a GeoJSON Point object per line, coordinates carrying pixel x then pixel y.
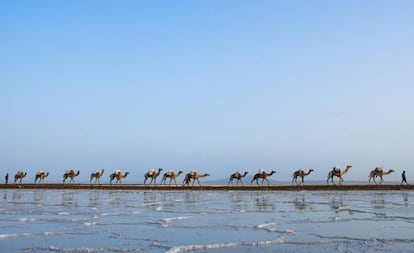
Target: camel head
{"type": "Point", "coordinates": [126, 174]}
{"type": "Point", "coordinates": [311, 170]}
{"type": "Point", "coordinates": [77, 173]}
{"type": "Point", "coordinates": [47, 174]}
{"type": "Point", "coordinates": [273, 172]}
{"type": "Point", "coordinates": [245, 173]}
{"type": "Point", "coordinates": [347, 168]}
{"type": "Point", "coordinates": [180, 172]}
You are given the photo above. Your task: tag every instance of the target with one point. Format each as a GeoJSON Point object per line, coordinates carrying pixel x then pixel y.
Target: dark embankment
{"type": "Point", "coordinates": [140, 187]}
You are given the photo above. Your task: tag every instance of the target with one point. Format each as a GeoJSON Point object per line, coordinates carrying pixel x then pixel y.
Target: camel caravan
{"type": "Point", "coordinates": [190, 178]}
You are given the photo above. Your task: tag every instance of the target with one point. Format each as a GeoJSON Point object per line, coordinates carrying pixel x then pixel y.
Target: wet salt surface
{"type": "Point", "coordinates": [128, 221]}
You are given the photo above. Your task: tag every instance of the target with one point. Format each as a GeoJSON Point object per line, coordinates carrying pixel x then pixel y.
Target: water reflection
{"type": "Point", "coordinates": [237, 200]}
{"type": "Point", "coordinates": [377, 200]}
{"type": "Point", "coordinates": [405, 199]}
{"type": "Point", "coordinates": [169, 199]}
{"type": "Point", "coordinates": [192, 198]}
{"type": "Point", "coordinates": [68, 199]}
{"type": "Point", "coordinates": [338, 205]}
{"type": "Point", "coordinates": [17, 196]}
{"type": "Point", "coordinates": [150, 201]}
{"type": "Point", "coordinates": [38, 197]}
{"type": "Point", "coordinates": [94, 199]}
{"type": "Point", "coordinates": [299, 201]}
{"type": "Point", "coordinates": [262, 202]}
{"type": "Point", "coordinates": [115, 198]}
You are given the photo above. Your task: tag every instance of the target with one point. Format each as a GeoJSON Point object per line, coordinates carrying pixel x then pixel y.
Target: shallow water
{"type": "Point", "coordinates": [185, 221]}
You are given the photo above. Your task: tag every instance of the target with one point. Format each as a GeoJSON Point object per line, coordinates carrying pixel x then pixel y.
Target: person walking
{"type": "Point", "coordinates": [7, 178]}
{"type": "Point", "coordinates": [403, 178]}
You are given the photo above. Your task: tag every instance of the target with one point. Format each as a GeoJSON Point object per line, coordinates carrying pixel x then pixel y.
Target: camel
{"type": "Point", "coordinates": [96, 175]}
{"type": "Point", "coordinates": [153, 175]}
{"type": "Point", "coordinates": [71, 174]}
{"type": "Point", "coordinates": [195, 176]}
{"type": "Point", "coordinates": [41, 175]}
{"type": "Point", "coordinates": [19, 176]}
{"type": "Point", "coordinates": [337, 172]}
{"type": "Point", "coordinates": [237, 176]}
{"type": "Point", "coordinates": [171, 175]}
{"type": "Point", "coordinates": [263, 175]}
{"type": "Point", "coordinates": [378, 172]}
{"type": "Point", "coordinates": [300, 173]}
{"type": "Point", "coordinates": [118, 175]}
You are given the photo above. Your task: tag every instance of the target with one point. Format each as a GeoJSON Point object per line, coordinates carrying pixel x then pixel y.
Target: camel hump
{"type": "Point", "coordinates": [261, 171]}
{"type": "Point", "coordinates": [378, 169]}
{"type": "Point", "coordinates": [117, 171]}
{"type": "Point", "coordinates": [170, 171]}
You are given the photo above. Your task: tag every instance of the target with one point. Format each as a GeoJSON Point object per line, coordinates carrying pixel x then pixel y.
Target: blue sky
{"type": "Point", "coordinates": [216, 86]}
